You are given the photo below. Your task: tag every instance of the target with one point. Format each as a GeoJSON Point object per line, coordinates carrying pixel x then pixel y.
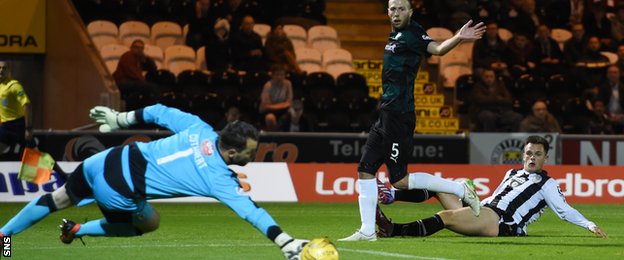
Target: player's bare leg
{"type": "Point", "coordinates": [464, 222]}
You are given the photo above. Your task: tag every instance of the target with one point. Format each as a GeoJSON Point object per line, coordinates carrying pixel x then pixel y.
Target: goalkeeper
{"type": "Point", "coordinates": [192, 162]}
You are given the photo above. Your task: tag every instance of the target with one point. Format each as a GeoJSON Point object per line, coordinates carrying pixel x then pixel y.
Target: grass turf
{"type": "Point", "coordinates": [212, 231]}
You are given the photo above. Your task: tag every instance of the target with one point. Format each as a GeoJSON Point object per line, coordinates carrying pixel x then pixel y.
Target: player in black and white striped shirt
{"type": "Point", "coordinates": [518, 201]}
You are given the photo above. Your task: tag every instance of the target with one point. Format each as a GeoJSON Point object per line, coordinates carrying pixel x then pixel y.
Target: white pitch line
{"type": "Point", "coordinates": [156, 245]}
{"type": "Point", "coordinates": [386, 254]}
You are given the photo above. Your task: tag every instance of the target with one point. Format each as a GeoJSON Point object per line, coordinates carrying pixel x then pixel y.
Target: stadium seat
{"type": "Point", "coordinates": [200, 62]}
{"type": "Point", "coordinates": [351, 86]}
{"type": "Point", "coordinates": [322, 38]}
{"type": "Point", "coordinates": [111, 54]}
{"type": "Point", "coordinates": [192, 78]}
{"type": "Point", "coordinates": [337, 61]}
{"type": "Point", "coordinates": [463, 87]}
{"type": "Point", "coordinates": [309, 60]}
{"type": "Point", "coordinates": [165, 34]}
{"type": "Point", "coordinates": [560, 35]}
{"type": "Point", "coordinates": [185, 30]}
{"type": "Point", "coordinates": [321, 94]}
{"type": "Point", "coordinates": [179, 58]}
{"type": "Point", "coordinates": [320, 79]}
{"type": "Point", "coordinates": [613, 57]}
{"type": "Point", "coordinates": [176, 100]}
{"type": "Point", "coordinates": [439, 33]}
{"type": "Point", "coordinates": [132, 30]}
{"type": "Point", "coordinates": [163, 78]}
{"type": "Point", "coordinates": [226, 84]}
{"type": "Point", "coordinates": [504, 34]}
{"type": "Point", "coordinates": [251, 87]}
{"type": "Point", "coordinates": [155, 53]}
{"type": "Point", "coordinates": [262, 30]}
{"type": "Point", "coordinates": [209, 107]}
{"type": "Point", "coordinates": [452, 65]}
{"type": "Point", "coordinates": [466, 47]}
{"type": "Point", "coordinates": [102, 33]}
{"type": "Point", "coordinates": [297, 79]}
{"type": "Point", "coordinates": [297, 35]}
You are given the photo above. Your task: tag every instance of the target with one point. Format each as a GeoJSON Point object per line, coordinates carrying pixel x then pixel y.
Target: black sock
{"type": "Point", "coordinates": [419, 228]}
{"type": "Point", "coordinates": [417, 195]}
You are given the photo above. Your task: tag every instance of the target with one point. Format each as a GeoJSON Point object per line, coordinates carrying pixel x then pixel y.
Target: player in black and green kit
{"type": "Point", "coordinates": [390, 138]}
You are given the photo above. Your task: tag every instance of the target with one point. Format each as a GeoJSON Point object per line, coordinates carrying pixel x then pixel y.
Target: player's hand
{"type": "Point", "coordinates": [108, 118]}
{"type": "Point", "coordinates": [598, 232]}
{"type": "Point", "coordinates": [471, 33]}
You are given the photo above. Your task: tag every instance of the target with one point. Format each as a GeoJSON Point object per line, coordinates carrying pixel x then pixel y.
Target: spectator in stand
{"type": "Point", "coordinates": [617, 25]}
{"type": "Point", "coordinates": [247, 47]}
{"type": "Point", "coordinates": [489, 51]}
{"type": "Point", "coordinates": [15, 111]}
{"type": "Point", "coordinates": [526, 20]}
{"type": "Point", "coordinates": [573, 48]}
{"type": "Point", "coordinates": [598, 24]}
{"type": "Point", "coordinates": [235, 10]}
{"type": "Point", "coordinates": [218, 48]}
{"type": "Point", "coordinates": [611, 92]}
{"type": "Point", "coordinates": [592, 65]}
{"type": "Point", "coordinates": [279, 50]}
{"type": "Point", "coordinates": [546, 54]}
{"type": "Point", "coordinates": [423, 12]}
{"type": "Point", "coordinates": [232, 114]}
{"type": "Point", "coordinates": [276, 98]}
{"type": "Point", "coordinates": [540, 121]}
{"type": "Point", "coordinates": [296, 120]}
{"type": "Point", "coordinates": [519, 53]}
{"type": "Point", "coordinates": [492, 104]}
{"type": "Point", "coordinates": [201, 24]}
{"type": "Point", "coordinates": [129, 73]}
{"type": "Point", "coordinates": [599, 121]}
{"type": "Point", "coordinates": [563, 14]}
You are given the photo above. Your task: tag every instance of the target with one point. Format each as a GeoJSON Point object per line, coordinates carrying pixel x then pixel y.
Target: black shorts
{"type": "Point", "coordinates": [504, 229]}
{"type": "Point", "coordinates": [12, 132]}
{"type": "Point", "coordinates": [390, 141]}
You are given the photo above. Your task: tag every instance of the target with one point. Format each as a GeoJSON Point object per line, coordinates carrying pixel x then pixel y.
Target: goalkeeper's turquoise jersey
{"type": "Point", "coordinates": [186, 163]}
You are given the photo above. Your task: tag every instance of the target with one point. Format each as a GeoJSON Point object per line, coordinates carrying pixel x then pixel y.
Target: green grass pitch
{"type": "Point", "coordinates": [212, 231]}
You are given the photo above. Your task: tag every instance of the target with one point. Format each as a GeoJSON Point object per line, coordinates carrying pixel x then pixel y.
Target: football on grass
{"type": "Point", "coordinates": [319, 249]}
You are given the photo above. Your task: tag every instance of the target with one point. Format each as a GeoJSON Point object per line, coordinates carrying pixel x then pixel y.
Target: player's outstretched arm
{"type": "Point", "coordinates": [598, 232]}
{"type": "Point", "coordinates": [467, 32]}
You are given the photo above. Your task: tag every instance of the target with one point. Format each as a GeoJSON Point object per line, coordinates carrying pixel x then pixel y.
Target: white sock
{"type": "Point", "coordinates": [368, 205]}
{"type": "Point", "coordinates": [433, 183]}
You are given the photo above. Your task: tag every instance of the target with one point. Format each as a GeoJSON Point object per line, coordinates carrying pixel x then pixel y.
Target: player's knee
{"type": "Point", "coordinates": [447, 216]}
{"type": "Point", "coordinates": [365, 175]}
{"type": "Point", "coordinates": [147, 224]}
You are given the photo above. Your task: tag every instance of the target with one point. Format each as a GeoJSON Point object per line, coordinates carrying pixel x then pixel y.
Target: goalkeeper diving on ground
{"type": "Point", "coordinates": [192, 162]}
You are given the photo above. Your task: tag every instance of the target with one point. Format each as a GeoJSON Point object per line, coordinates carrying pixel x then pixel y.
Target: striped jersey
{"type": "Point", "coordinates": [402, 56]}
{"type": "Point", "coordinates": [522, 196]}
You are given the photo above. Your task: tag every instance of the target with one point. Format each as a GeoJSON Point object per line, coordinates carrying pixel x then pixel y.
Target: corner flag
{"type": "Point", "coordinates": [36, 166]}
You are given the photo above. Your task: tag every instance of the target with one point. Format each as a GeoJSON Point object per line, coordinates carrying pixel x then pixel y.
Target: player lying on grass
{"type": "Point", "coordinates": [192, 162]}
{"type": "Point", "coordinates": [518, 201]}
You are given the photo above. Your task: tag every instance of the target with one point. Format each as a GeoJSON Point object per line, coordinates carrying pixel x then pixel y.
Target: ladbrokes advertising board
{"type": "Point", "coordinates": [337, 182]}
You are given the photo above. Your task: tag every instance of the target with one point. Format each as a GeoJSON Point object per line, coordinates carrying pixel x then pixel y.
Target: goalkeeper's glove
{"type": "Point", "coordinates": [292, 249]}
{"type": "Point", "coordinates": [111, 120]}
